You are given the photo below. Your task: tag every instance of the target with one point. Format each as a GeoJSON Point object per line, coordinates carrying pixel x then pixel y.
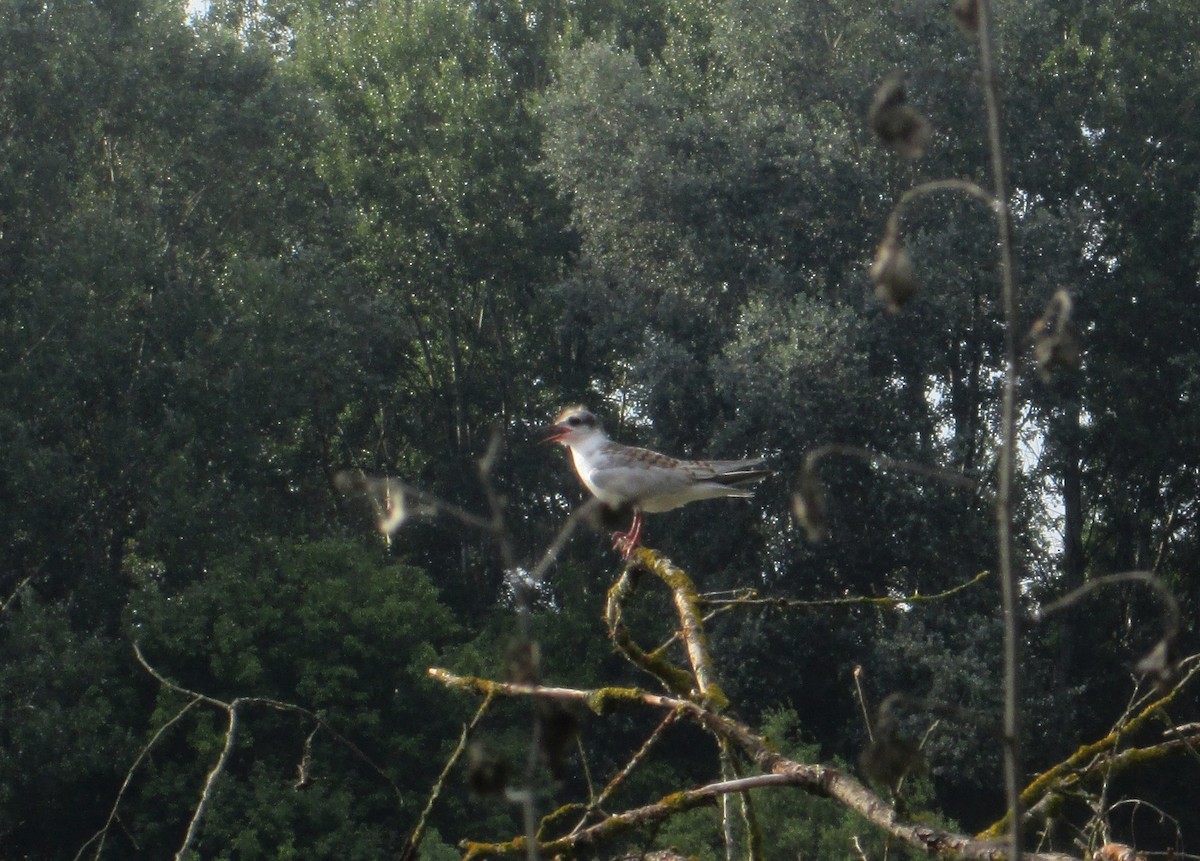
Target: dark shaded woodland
{"type": "Point", "coordinates": [244, 253]}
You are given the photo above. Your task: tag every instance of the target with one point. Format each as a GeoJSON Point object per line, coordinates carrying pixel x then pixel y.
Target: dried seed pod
{"type": "Point", "coordinates": [558, 728]}
{"type": "Point", "coordinates": [966, 15]}
{"type": "Point", "coordinates": [890, 755]}
{"type": "Point", "coordinates": [487, 771]}
{"type": "Point", "coordinates": [1055, 345]}
{"type": "Point", "coordinates": [384, 495]}
{"type": "Point", "coordinates": [892, 273]}
{"type": "Point", "coordinates": [887, 759]}
{"type": "Point", "coordinates": [1058, 352]}
{"type": "Point", "coordinates": [896, 123]}
{"type": "Point", "coordinates": [1160, 664]}
{"type": "Point", "coordinates": [808, 504]}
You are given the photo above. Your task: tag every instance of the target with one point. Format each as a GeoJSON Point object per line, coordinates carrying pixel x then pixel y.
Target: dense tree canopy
{"type": "Point", "coordinates": [246, 252]}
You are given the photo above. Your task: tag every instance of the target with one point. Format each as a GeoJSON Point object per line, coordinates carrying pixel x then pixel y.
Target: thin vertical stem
{"type": "Point", "coordinates": [1005, 495]}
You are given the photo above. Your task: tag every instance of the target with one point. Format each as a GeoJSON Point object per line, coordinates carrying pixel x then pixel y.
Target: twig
{"type": "Point", "coordinates": [413, 843]}
{"type": "Point", "coordinates": [4, 605]}
{"type": "Point", "coordinates": [754, 850]}
{"type": "Point", "coordinates": [708, 617]}
{"type": "Point", "coordinates": [726, 817]}
{"type": "Point", "coordinates": [102, 834]}
{"type": "Point", "coordinates": [751, 599]}
{"type": "Point", "coordinates": [1171, 612]}
{"type": "Point", "coordinates": [674, 679]}
{"type": "Point", "coordinates": [633, 763]}
{"type": "Point", "coordinates": [495, 502]}
{"type": "Point", "coordinates": [1089, 757]}
{"type": "Point", "coordinates": [580, 514]}
{"type": "Point", "coordinates": [1108, 773]}
{"type": "Point", "coordinates": [231, 708]}
{"type": "Point", "coordinates": [862, 702]}
{"type": "Point", "coordinates": [525, 798]}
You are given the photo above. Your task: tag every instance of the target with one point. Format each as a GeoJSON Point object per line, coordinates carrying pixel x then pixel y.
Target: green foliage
{"type": "Point", "coordinates": [433, 848]}
{"type": "Point", "coordinates": [240, 255]}
{"type": "Point", "coordinates": [798, 825]}
{"type": "Point", "coordinates": [68, 721]}
{"type": "Point", "coordinates": [328, 627]}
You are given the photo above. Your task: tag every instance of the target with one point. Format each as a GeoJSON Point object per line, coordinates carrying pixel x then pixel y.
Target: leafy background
{"type": "Point", "coordinates": [242, 252]}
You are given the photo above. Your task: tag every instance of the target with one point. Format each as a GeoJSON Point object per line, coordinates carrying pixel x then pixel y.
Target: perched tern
{"type": "Point", "coordinates": [622, 476]}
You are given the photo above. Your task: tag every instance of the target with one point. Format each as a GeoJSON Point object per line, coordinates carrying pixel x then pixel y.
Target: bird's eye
{"type": "Point", "coordinates": [574, 421]}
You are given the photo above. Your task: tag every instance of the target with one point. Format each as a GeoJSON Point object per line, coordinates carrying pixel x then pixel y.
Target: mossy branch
{"type": "Point", "coordinates": [691, 623]}
{"type": "Point", "coordinates": [1098, 757]}
{"type": "Point", "coordinates": [676, 680]}
{"type": "Point", "coordinates": [777, 770]}
{"type": "Point", "coordinates": [751, 598]}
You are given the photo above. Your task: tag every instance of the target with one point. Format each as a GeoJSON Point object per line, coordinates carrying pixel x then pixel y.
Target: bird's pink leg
{"type": "Point", "coordinates": [627, 542]}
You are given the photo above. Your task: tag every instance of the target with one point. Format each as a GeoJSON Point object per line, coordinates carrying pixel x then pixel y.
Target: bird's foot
{"type": "Point", "coordinates": [625, 543]}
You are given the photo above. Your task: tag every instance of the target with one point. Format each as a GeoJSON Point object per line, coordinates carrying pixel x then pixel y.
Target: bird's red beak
{"type": "Point", "coordinates": [554, 433]}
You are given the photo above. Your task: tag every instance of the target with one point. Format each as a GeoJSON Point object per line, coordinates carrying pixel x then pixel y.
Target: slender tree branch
{"type": "Point", "coordinates": [102, 834]}
{"type": "Point", "coordinates": [210, 783]}
{"type": "Point", "coordinates": [964, 186]}
{"type": "Point", "coordinates": [578, 516]}
{"type": "Point", "coordinates": [751, 598]}
{"type": "Point", "coordinates": [231, 708]}
{"type": "Point", "coordinates": [1090, 758]}
{"type": "Point", "coordinates": [1171, 614]}
{"type": "Point", "coordinates": [674, 679]}
{"type": "Point", "coordinates": [413, 843]}
{"type": "Point", "coordinates": [634, 761]}
{"type": "Point", "coordinates": [4, 605]}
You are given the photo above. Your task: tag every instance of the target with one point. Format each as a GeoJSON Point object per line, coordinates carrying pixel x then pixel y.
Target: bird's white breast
{"type": "Point", "coordinates": [590, 461]}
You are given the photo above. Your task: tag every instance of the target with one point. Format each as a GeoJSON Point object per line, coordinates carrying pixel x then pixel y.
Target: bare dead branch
{"type": "Point", "coordinates": [777, 770]}
{"type": "Point", "coordinates": [232, 708]}
{"type": "Point", "coordinates": [1006, 487]}
{"type": "Point", "coordinates": [1171, 622]}
{"type": "Point", "coordinates": [640, 817]}
{"type": "Point", "coordinates": [751, 598]}
{"type": "Point", "coordinates": [496, 503]}
{"type": "Point", "coordinates": [210, 783]}
{"type": "Point", "coordinates": [7, 602]}
{"type": "Point", "coordinates": [580, 515]}
{"type": "Point", "coordinates": [634, 761]}
{"type": "Point", "coordinates": [413, 843]}
{"type": "Point", "coordinates": [674, 679]}
{"type": "Point", "coordinates": [102, 834]}
{"type": "Point", "coordinates": [754, 850]}
{"type": "Point", "coordinates": [1090, 760]}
